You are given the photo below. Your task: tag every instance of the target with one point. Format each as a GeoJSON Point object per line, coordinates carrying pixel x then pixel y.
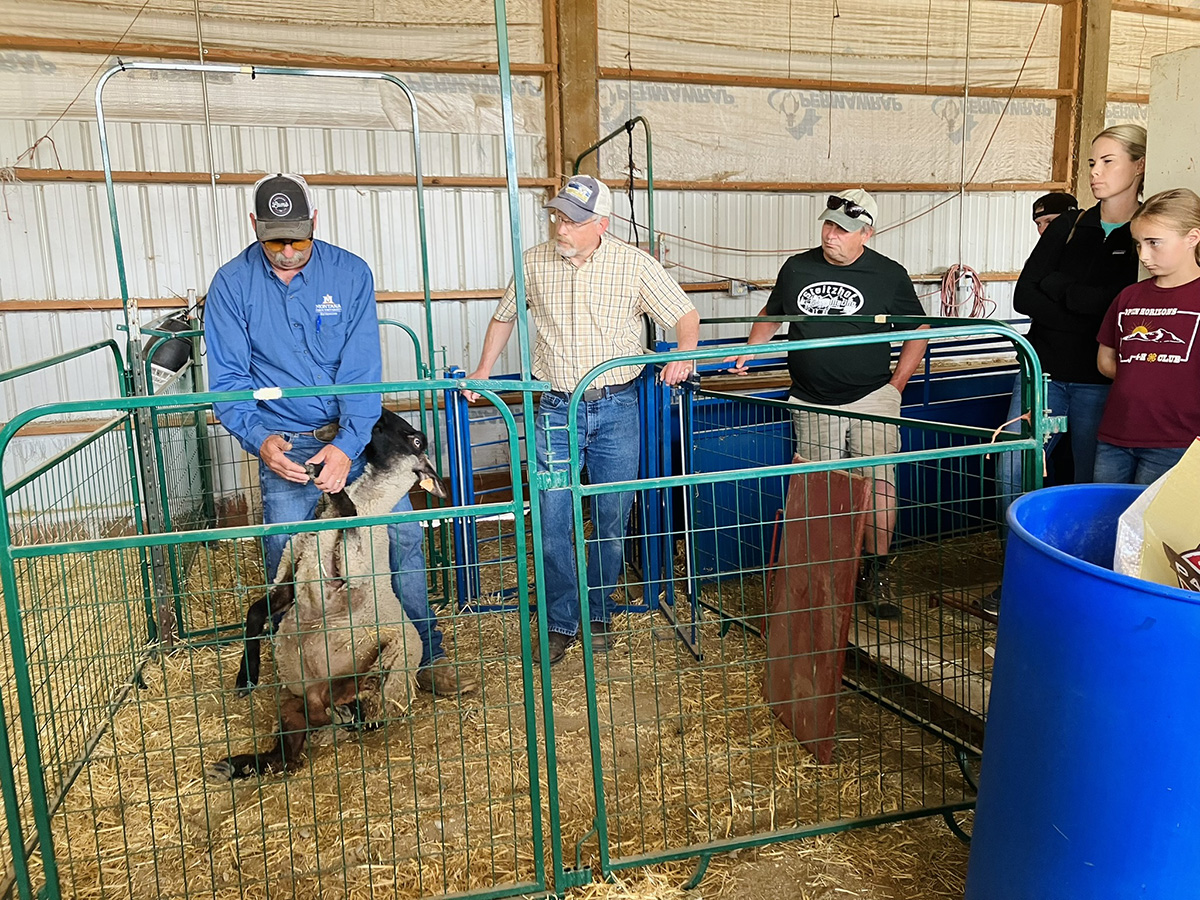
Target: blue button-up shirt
{"type": "Point", "coordinates": [321, 329]}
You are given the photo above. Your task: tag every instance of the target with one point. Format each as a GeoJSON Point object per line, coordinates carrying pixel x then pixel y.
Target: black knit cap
{"type": "Point", "coordinates": [282, 208]}
{"type": "Point", "coordinates": [1054, 204]}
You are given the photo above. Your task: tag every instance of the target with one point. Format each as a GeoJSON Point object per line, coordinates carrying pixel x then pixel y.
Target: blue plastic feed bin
{"type": "Point", "coordinates": [1090, 781]}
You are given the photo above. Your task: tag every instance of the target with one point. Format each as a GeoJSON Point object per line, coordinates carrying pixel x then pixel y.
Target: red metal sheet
{"type": "Point", "coordinates": [811, 602]}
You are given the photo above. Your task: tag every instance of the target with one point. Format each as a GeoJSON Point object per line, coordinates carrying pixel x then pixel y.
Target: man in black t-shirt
{"type": "Point", "coordinates": [844, 277]}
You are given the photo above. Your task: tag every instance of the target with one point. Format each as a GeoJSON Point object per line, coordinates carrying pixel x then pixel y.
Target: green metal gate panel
{"type": "Point", "coordinates": [115, 728]}
{"type": "Point", "coordinates": [686, 755]}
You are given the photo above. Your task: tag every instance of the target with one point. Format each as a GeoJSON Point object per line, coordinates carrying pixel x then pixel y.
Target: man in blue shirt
{"type": "Point", "coordinates": [291, 311]}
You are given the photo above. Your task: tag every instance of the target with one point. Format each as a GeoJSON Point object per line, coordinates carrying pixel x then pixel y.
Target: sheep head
{"type": "Point", "coordinates": [395, 444]}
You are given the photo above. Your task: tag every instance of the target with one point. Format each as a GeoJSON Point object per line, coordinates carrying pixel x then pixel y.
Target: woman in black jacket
{"type": "Point", "coordinates": [1078, 267]}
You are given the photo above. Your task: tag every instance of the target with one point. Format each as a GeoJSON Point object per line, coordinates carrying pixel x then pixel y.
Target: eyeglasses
{"type": "Point", "coordinates": [277, 246]}
{"type": "Point", "coordinates": [567, 222]}
{"type": "Point", "coordinates": [852, 209]}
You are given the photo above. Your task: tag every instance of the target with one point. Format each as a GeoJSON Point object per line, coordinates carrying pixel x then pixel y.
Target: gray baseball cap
{"type": "Point", "coordinates": [283, 208]}
{"type": "Point", "coordinates": [583, 197]}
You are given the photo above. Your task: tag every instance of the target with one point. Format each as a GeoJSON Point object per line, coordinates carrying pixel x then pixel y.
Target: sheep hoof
{"type": "Point", "coordinates": [243, 688]}
{"type": "Point", "coordinates": [352, 716]}
{"type": "Point", "coordinates": [219, 773]}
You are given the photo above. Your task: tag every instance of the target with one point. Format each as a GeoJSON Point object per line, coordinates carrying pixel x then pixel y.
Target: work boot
{"type": "Point", "coordinates": [991, 602]}
{"type": "Point", "coordinates": [874, 590]}
{"type": "Point", "coordinates": [604, 637]}
{"type": "Point", "coordinates": [558, 644]}
{"type": "Point", "coordinates": [442, 678]}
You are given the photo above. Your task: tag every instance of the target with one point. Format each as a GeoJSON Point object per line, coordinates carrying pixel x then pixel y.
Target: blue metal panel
{"type": "Point", "coordinates": [733, 523]}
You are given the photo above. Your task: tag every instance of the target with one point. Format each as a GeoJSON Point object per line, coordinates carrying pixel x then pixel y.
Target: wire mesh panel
{"type": "Point", "coordinates": [479, 467]}
{"type": "Point", "coordinates": [825, 659]}
{"type": "Point", "coordinates": [397, 791]}
{"type": "Point", "coordinates": [71, 645]}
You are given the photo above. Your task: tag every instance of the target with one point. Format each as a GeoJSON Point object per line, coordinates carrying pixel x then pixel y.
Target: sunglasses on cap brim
{"type": "Point", "coordinates": [848, 206]}
{"type": "Point", "coordinates": [277, 246]}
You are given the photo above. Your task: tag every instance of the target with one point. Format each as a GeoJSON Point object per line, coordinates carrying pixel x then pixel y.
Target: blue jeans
{"type": "Point", "coordinates": [1082, 404]}
{"type": "Point", "coordinates": [609, 443]}
{"type": "Point", "coordinates": [1134, 465]}
{"type": "Point", "coordinates": [287, 501]}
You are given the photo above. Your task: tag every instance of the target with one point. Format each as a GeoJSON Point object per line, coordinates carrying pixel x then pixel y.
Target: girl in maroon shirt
{"type": "Point", "coordinates": [1150, 347]}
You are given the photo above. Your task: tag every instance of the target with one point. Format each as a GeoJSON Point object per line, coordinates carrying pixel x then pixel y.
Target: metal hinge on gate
{"type": "Point", "coordinates": [557, 477]}
{"type": "Point", "coordinates": [552, 481]}
{"type": "Point", "coordinates": [1055, 425]}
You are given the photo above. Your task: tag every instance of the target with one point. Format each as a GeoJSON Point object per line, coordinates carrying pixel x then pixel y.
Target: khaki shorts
{"type": "Point", "coordinates": [821, 435]}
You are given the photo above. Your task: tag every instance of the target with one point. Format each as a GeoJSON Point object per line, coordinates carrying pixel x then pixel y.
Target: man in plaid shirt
{"type": "Point", "coordinates": [587, 293]}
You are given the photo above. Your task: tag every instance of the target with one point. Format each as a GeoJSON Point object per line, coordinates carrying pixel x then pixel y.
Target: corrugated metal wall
{"type": "Point", "coordinates": [58, 246]}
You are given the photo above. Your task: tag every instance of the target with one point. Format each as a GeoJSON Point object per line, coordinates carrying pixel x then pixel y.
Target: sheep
{"type": "Point", "coordinates": [335, 613]}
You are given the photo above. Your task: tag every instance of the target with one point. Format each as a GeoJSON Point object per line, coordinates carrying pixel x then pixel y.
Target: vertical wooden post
{"type": "Point", "coordinates": [554, 125]}
{"type": "Point", "coordinates": [578, 72]}
{"type": "Point", "coordinates": [1093, 87]}
{"type": "Point", "coordinates": [1066, 144]}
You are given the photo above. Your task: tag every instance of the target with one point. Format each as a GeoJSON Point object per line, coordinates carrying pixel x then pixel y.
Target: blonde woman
{"type": "Point", "coordinates": [1080, 264]}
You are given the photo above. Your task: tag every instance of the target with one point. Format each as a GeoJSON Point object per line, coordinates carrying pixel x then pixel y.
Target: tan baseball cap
{"type": "Point", "coordinates": [852, 210]}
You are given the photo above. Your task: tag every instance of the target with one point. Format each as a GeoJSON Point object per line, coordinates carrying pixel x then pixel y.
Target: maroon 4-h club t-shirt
{"type": "Point", "coordinates": [1155, 397]}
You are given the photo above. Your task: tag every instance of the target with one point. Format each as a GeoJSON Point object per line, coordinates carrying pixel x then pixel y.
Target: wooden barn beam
{"type": "Point", "coordinates": [578, 79]}
{"type": "Point", "coordinates": [554, 124]}
{"type": "Point", "coordinates": [729, 79]}
{"type": "Point", "coordinates": [690, 287]}
{"type": "Point", "coordinates": [22, 174]}
{"type": "Point", "coordinates": [1066, 146]}
{"type": "Point", "coordinates": [1168, 10]}
{"type": "Point", "coordinates": [129, 50]}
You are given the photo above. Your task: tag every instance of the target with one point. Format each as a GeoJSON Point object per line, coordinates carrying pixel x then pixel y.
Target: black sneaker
{"type": "Point", "coordinates": [991, 602]}
{"type": "Point", "coordinates": [874, 591]}
{"type": "Point", "coordinates": [604, 636]}
{"type": "Point", "coordinates": [558, 644]}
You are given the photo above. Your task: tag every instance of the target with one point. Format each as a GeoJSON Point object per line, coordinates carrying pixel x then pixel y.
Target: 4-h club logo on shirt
{"type": "Point", "coordinates": [1157, 335]}
{"type": "Point", "coordinates": [327, 306]}
{"type": "Point", "coordinates": [830, 298]}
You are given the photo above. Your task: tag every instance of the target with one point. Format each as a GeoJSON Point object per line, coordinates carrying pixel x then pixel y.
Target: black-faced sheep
{"type": "Point", "coordinates": [337, 615]}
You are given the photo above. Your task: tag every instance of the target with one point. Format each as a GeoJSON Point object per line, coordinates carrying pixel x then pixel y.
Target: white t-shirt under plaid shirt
{"type": "Point", "coordinates": [587, 315]}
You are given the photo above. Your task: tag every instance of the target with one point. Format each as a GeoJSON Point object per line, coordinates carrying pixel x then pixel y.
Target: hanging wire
{"type": "Point", "coordinates": [991, 137]}
{"type": "Point", "coordinates": [962, 169]}
{"type": "Point", "coordinates": [1137, 85]}
{"type": "Point", "coordinates": [829, 113]}
{"type": "Point", "coordinates": [981, 307]}
{"type": "Point", "coordinates": [791, 4]}
{"type": "Point", "coordinates": [212, 159]}
{"type": "Point", "coordinates": [28, 152]}
{"type": "Point", "coordinates": [788, 251]}
{"type": "Point", "coordinates": [632, 209]}
{"type": "Point", "coordinates": [629, 115]}
{"type": "Point", "coordinates": [928, 25]}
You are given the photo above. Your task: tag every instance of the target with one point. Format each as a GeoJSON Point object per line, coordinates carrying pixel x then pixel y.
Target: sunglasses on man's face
{"type": "Point", "coordinates": [852, 209]}
{"type": "Point", "coordinates": [277, 246]}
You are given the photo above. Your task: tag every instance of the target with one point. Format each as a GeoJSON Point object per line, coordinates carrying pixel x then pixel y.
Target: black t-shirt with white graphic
{"type": "Point", "coordinates": [809, 285]}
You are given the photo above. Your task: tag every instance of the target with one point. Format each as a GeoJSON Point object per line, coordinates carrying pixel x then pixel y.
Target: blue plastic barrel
{"type": "Point", "coordinates": [1090, 780]}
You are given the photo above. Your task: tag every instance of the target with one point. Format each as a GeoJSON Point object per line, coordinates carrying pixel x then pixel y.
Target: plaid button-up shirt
{"type": "Point", "coordinates": [587, 315]}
